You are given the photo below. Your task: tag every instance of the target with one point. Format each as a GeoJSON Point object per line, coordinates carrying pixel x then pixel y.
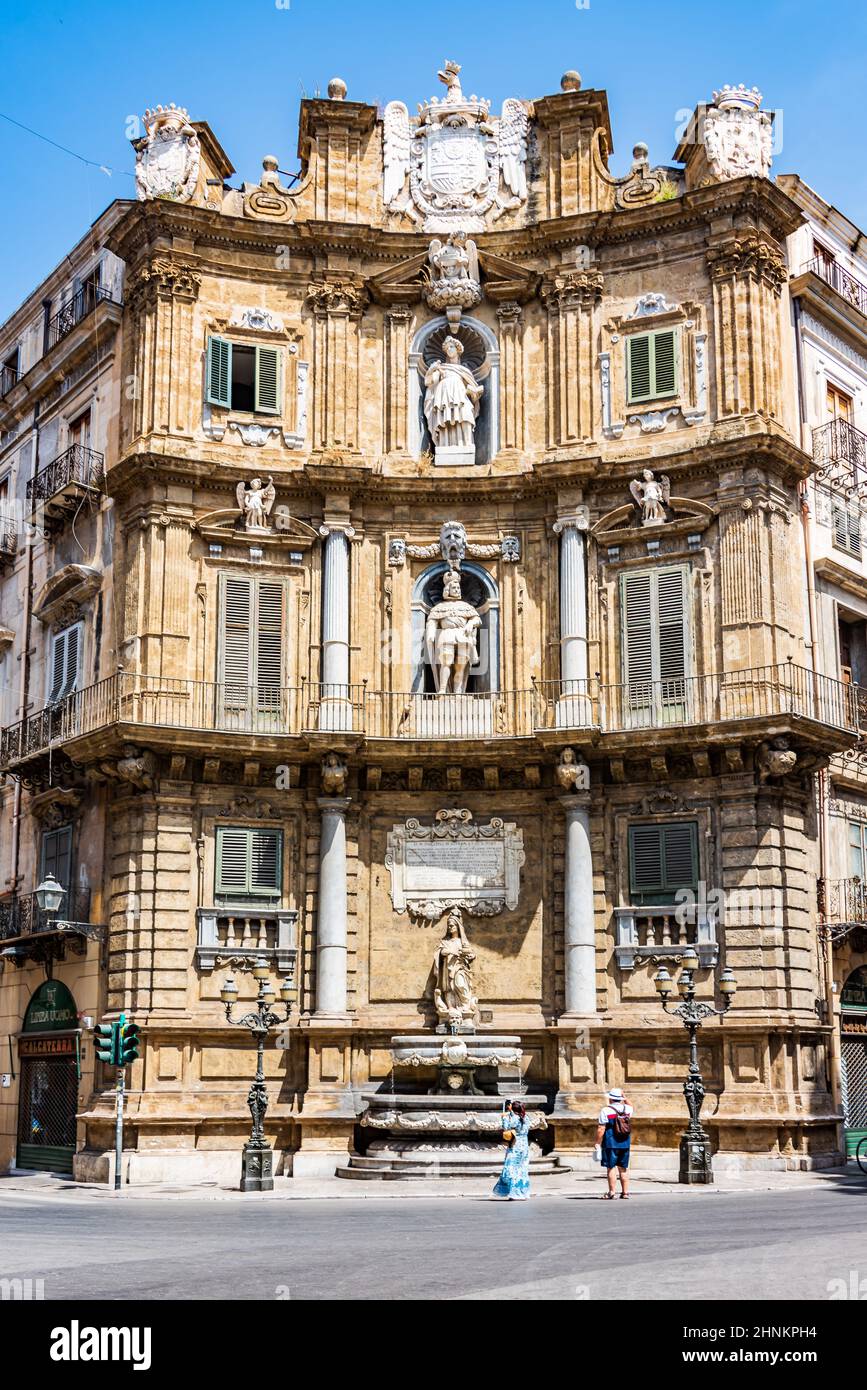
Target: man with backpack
{"type": "Point", "coordinates": [613, 1138]}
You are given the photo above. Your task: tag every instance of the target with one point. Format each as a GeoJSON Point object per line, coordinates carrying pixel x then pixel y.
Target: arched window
{"type": "Point", "coordinates": [482, 356]}
{"type": "Point", "coordinates": [478, 588]}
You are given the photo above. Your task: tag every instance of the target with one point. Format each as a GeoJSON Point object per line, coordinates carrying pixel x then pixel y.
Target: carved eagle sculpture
{"type": "Point", "coordinates": [512, 137]}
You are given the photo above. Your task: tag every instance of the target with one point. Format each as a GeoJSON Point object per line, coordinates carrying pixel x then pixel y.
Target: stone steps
{"type": "Point", "coordinates": [434, 1166]}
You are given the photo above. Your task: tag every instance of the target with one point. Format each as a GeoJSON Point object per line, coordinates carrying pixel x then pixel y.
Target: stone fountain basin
{"type": "Point", "coordinates": [485, 1049]}
{"type": "Point", "coordinates": [388, 1110]}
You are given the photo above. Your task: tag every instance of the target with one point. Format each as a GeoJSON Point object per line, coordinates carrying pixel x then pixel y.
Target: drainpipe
{"type": "Point", "coordinates": [825, 944]}
{"type": "Point", "coordinates": [24, 681]}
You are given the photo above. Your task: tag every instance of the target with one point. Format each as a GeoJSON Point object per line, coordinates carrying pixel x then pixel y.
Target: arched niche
{"type": "Point", "coordinates": [480, 589]}
{"type": "Point", "coordinates": [482, 356]}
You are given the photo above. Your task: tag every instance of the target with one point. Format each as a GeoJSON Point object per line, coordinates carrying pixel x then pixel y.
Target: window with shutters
{"type": "Point", "coordinates": [244, 378]}
{"type": "Point", "coordinates": [663, 858]}
{"type": "Point", "coordinates": [64, 663]}
{"type": "Point", "coordinates": [846, 527]}
{"type": "Point", "coordinates": [56, 855]}
{"type": "Point", "coordinates": [651, 366]}
{"type": "Point", "coordinates": [655, 644]}
{"type": "Point", "coordinates": [251, 662]}
{"type": "Point", "coordinates": [249, 864]}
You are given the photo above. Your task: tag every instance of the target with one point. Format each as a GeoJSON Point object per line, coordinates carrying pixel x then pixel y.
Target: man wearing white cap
{"type": "Point", "coordinates": [613, 1139]}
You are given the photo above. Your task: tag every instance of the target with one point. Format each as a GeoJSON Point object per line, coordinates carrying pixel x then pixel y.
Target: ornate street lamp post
{"type": "Point", "coordinates": [257, 1165]}
{"type": "Point", "coordinates": [695, 1151]}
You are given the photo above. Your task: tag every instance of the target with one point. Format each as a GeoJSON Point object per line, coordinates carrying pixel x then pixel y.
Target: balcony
{"type": "Point", "coordinates": [840, 452]}
{"type": "Point", "coordinates": [8, 378]}
{"type": "Point", "coordinates": [843, 902]}
{"type": "Point", "coordinates": [82, 303]}
{"type": "Point", "coordinates": [207, 716]}
{"type": "Point", "coordinates": [840, 280]}
{"type": "Point", "coordinates": [663, 933]}
{"type": "Point", "coordinates": [8, 539]}
{"type": "Point", "coordinates": [27, 932]}
{"type": "Point", "coordinates": [58, 488]}
{"type": "Point", "coordinates": [229, 935]}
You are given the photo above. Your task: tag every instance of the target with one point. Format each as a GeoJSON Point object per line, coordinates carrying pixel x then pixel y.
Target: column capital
{"type": "Point", "coordinates": [337, 528]}
{"type": "Point", "coordinates": [575, 801]}
{"type": "Point", "coordinates": [577, 520]}
{"type": "Point", "coordinates": [338, 804]}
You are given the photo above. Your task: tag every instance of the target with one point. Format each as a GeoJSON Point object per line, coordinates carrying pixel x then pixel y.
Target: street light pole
{"type": "Point", "coordinates": [257, 1164]}
{"type": "Point", "coordinates": [695, 1148]}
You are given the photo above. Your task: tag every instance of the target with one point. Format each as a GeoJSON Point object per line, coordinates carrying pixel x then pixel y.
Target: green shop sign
{"type": "Point", "coordinates": [51, 1009]}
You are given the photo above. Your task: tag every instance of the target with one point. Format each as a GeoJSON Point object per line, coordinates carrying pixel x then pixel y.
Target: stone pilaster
{"type": "Point", "coordinates": [398, 320]}
{"type": "Point", "coordinates": [159, 380]}
{"type": "Point", "coordinates": [571, 297]}
{"type": "Point", "coordinates": [338, 306]}
{"type": "Point", "coordinates": [513, 377]}
{"type": "Point", "coordinates": [747, 274]}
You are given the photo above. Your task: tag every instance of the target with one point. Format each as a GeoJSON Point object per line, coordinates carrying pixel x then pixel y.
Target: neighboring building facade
{"type": "Point", "coordinates": [447, 555]}
{"type": "Point", "coordinates": [828, 259]}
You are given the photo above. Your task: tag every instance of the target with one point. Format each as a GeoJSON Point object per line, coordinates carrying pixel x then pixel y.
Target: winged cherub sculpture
{"type": "Point", "coordinates": [255, 503]}
{"type": "Point", "coordinates": [652, 495]}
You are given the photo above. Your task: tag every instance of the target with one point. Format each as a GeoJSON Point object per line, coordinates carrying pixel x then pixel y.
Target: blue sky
{"type": "Point", "coordinates": [77, 72]}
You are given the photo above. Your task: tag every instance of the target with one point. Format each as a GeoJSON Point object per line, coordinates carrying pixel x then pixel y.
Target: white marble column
{"type": "Point", "coordinates": [335, 707]}
{"type": "Point", "coordinates": [331, 915]}
{"type": "Point", "coordinates": [579, 930]}
{"type": "Point", "coordinates": [573, 618]}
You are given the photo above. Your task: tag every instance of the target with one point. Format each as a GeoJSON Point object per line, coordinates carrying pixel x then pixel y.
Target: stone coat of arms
{"type": "Point", "coordinates": [737, 135]}
{"type": "Point", "coordinates": [167, 157]}
{"type": "Point", "coordinates": [454, 163]}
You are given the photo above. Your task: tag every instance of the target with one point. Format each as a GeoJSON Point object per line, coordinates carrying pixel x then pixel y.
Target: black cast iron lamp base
{"type": "Point", "coordinates": [695, 1146]}
{"type": "Point", "coordinates": [257, 1163]}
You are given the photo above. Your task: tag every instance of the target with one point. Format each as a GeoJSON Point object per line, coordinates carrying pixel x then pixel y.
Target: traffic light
{"type": "Point", "coordinates": [130, 1043]}
{"type": "Point", "coordinates": [106, 1040]}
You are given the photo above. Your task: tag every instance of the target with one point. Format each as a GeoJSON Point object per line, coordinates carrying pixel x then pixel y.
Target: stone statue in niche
{"type": "Point", "coordinates": [451, 405]}
{"type": "Point", "coordinates": [652, 495]}
{"type": "Point", "coordinates": [255, 503]}
{"type": "Point", "coordinates": [451, 637]}
{"type": "Point", "coordinates": [167, 156]}
{"type": "Point", "coordinates": [454, 999]}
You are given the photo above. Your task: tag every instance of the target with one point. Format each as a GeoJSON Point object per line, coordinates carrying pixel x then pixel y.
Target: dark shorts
{"type": "Point", "coordinates": [616, 1158]}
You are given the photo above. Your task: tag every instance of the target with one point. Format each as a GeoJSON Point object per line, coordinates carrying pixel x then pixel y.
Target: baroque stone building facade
{"type": "Point", "coordinates": [442, 550]}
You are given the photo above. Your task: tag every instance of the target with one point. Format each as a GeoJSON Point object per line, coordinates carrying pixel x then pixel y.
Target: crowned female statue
{"type": "Point", "coordinates": [453, 992]}
{"type": "Point", "coordinates": [451, 403]}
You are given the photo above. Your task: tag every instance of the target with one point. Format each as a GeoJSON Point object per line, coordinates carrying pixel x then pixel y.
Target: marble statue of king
{"type": "Point", "coordinates": [451, 638]}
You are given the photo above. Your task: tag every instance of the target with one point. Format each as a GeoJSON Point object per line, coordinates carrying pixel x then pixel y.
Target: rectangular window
{"type": "Point", "coordinates": [249, 863]}
{"type": "Point", "coordinates": [846, 527]}
{"type": "Point", "coordinates": [79, 430]}
{"type": "Point", "coordinates": [662, 859]}
{"type": "Point", "coordinates": [651, 366]}
{"type": "Point", "coordinates": [64, 666]}
{"type": "Point", "coordinates": [243, 378]}
{"type": "Point", "coordinates": [56, 855]}
{"type": "Point", "coordinates": [857, 847]}
{"type": "Point", "coordinates": [251, 661]}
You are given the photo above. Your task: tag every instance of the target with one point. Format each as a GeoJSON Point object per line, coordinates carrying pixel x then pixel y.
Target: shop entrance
{"type": "Point", "coordinates": [853, 1027]}
{"type": "Point", "coordinates": [48, 1050]}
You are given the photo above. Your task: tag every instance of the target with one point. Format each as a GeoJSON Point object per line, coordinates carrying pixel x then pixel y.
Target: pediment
{"type": "Point", "coordinates": [682, 511]}
{"type": "Point", "coordinates": [401, 283]}
{"type": "Point", "coordinates": [504, 279]}
{"type": "Point", "coordinates": [66, 591]}
{"type": "Point", "coordinates": [501, 280]}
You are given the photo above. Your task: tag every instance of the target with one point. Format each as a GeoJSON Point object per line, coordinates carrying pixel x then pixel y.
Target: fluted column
{"type": "Point", "coordinates": [573, 616]}
{"type": "Point", "coordinates": [331, 918]}
{"type": "Point", "coordinates": [578, 922]}
{"type": "Point", "coordinates": [335, 702]}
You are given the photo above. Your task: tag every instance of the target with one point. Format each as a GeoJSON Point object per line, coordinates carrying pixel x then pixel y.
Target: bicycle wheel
{"type": "Point", "coordinates": [861, 1154]}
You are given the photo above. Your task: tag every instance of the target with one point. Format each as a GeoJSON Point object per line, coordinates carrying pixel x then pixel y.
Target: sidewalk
{"type": "Point", "coordinates": [579, 1185]}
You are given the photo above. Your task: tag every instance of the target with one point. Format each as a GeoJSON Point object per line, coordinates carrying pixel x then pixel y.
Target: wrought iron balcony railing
{"type": "Point", "coordinates": [82, 303]}
{"type": "Point", "coordinates": [22, 917]}
{"type": "Point", "coordinates": [846, 285]}
{"type": "Point", "coordinates": [843, 900]}
{"type": "Point", "coordinates": [8, 378]}
{"type": "Point", "coordinates": [215, 708]}
{"type": "Point", "coordinates": [76, 466]}
{"type": "Point", "coordinates": [840, 450]}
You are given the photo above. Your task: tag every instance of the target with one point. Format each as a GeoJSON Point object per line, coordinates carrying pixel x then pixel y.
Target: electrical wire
{"type": "Point", "coordinates": [94, 164]}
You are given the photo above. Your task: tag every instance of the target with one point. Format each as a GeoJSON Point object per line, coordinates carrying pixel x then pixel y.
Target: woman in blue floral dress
{"type": "Point", "coordinates": [513, 1184]}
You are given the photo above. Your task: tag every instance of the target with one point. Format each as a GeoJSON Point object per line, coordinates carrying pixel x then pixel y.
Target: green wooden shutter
{"type": "Point", "coordinates": [249, 862]}
{"type": "Point", "coordinates": [662, 859]}
{"type": "Point", "coordinates": [269, 643]}
{"type": "Point", "coordinates": [637, 607]}
{"type": "Point", "coordinates": [665, 363]}
{"type": "Point", "coordinates": [268, 380]}
{"type": "Point", "coordinates": [670, 612]}
{"type": "Point", "coordinates": [653, 609]}
{"type": "Point", "coordinates": [638, 367]}
{"type": "Point", "coordinates": [219, 372]}
{"type": "Point", "coordinates": [236, 648]}
{"type": "Point", "coordinates": [65, 664]}
{"type": "Point", "coordinates": [56, 855]}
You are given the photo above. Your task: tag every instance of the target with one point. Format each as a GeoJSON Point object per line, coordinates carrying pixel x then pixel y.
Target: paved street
{"type": "Point", "coordinates": [708, 1245]}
